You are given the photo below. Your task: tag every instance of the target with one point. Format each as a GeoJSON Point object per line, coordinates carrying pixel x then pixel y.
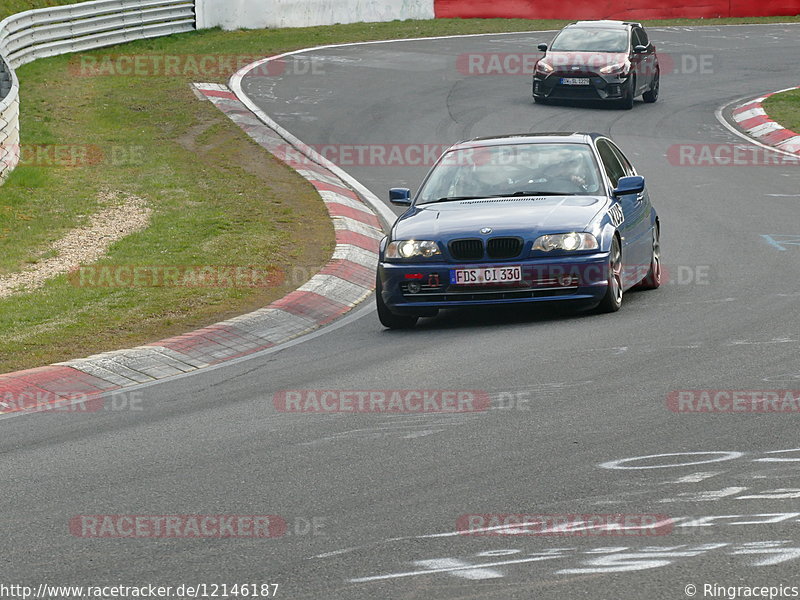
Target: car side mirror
{"type": "Point", "coordinates": [542, 47]}
{"type": "Point", "coordinates": [639, 49]}
{"type": "Point", "coordinates": [400, 196]}
{"type": "Point", "coordinates": [629, 185]}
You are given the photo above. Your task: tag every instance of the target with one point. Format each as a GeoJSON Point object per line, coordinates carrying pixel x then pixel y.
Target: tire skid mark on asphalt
{"type": "Point", "coordinates": [390, 429]}
{"type": "Point", "coordinates": [639, 348]}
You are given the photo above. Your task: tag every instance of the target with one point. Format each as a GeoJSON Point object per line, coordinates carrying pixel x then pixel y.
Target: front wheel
{"type": "Point", "coordinates": [652, 94]}
{"type": "Point", "coordinates": [627, 102]}
{"type": "Point", "coordinates": [540, 100]}
{"type": "Point", "coordinates": [387, 318]}
{"type": "Point", "coordinates": [612, 299]}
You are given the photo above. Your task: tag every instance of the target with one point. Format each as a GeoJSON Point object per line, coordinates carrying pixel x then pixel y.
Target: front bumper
{"type": "Point", "coordinates": [600, 87]}
{"type": "Point", "coordinates": [414, 288]}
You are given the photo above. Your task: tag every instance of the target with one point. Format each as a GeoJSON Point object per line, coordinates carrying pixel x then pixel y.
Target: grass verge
{"type": "Point", "coordinates": [785, 109]}
{"type": "Point", "coordinates": [11, 7]}
{"type": "Point", "coordinates": [216, 197]}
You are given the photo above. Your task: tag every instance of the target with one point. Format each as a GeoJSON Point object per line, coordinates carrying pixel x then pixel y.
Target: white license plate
{"type": "Point", "coordinates": [574, 81]}
{"type": "Point", "coordinates": [484, 275]}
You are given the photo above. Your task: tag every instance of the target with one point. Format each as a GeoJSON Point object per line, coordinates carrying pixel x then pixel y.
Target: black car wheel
{"type": "Point", "coordinates": [388, 318]}
{"type": "Point", "coordinates": [627, 102]}
{"type": "Point", "coordinates": [540, 99]}
{"type": "Point", "coordinates": [612, 299]}
{"type": "Point", "coordinates": [653, 278]}
{"type": "Point", "coordinates": [652, 94]}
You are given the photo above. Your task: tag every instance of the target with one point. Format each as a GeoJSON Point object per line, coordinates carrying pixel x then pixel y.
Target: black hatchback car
{"type": "Point", "coordinates": [598, 60]}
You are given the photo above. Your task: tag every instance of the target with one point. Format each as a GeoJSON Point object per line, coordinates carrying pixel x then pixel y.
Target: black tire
{"type": "Point", "coordinates": [389, 319]}
{"type": "Point", "coordinates": [612, 300]}
{"type": "Point", "coordinates": [627, 102]}
{"type": "Point", "coordinates": [652, 280]}
{"type": "Point", "coordinates": [651, 95]}
{"type": "Point", "coordinates": [540, 100]}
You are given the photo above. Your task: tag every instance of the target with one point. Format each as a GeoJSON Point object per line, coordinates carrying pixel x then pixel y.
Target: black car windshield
{"type": "Point", "coordinates": [544, 169]}
{"type": "Point", "coordinates": [590, 39]}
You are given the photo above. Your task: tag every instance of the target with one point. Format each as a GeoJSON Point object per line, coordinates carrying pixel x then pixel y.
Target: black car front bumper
{"type": "Point", "coordinates": [599, 87]}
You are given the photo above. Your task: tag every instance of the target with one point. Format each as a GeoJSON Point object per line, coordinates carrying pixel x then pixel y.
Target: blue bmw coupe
{"type": "Point", "coordinates": [556, 217]}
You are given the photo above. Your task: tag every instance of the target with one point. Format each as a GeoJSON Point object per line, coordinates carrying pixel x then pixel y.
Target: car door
{"type": "Point", "coordinates": [638, 64]}
{"type": "Point", "coordinates": [645, 70]}
{"type": "Point", "coordinates": [633, 228]}
{"type": "Point", "coordinates": [640, 214]}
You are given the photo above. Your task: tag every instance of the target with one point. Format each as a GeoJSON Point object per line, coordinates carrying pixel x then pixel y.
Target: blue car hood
{"type": "Point", "coordinates": [524, 217]}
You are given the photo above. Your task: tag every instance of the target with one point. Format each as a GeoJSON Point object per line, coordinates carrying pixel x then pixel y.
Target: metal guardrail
{"type": "Point", "coordinates": [9, 119]}
{"type": "Point", "coordinates": [43, 32]}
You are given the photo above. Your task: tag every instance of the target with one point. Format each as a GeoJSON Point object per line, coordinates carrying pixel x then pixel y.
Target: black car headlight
{"type": "Point", "coordinates": [570, 242]}
{"type": "Point", "coordinates": [412, 249]}
{"type": "Point", "coordinates": [620, 69]}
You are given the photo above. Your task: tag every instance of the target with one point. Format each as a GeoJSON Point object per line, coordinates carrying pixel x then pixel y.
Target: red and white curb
{"type": "Point", "coordinates": [751, 118]}
{"type": "Point", "coordinates": [347, 279]}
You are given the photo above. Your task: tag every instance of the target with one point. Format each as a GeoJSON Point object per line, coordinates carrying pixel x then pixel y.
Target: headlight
{"type": "Point", "coordinates": [543, 68]}
{"type": "Point", "coordinates": [566, 241]}
{"type": "Point", "coordinates": [412, 248]}
{"type": "Point", "coordinates": [621, 68]}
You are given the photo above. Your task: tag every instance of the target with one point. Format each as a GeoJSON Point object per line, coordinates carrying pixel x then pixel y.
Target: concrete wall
{"type": "Point", "coordinates": [257, 14]}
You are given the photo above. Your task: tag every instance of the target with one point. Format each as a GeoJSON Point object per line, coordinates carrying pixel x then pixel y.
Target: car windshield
{"type": "Point", "coordinates": [554, 169]}
{"type": "Point", "coordinates": [590, 39]}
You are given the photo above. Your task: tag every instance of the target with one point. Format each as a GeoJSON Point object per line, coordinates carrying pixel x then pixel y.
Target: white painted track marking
{"type": "Point", "coordinates": [708, 496]}
{"type": "Point", "coordinates": [695, 477]}
{"type": "Point", "coordinates": [450, 569]}
{"type": "Point", "coordinates": [452, 563]}
{"type": "Point", "coordinates": [618, 464]}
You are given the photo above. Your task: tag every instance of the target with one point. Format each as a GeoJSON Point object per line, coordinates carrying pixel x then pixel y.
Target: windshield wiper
{"type": "Point", "coordinates": [454, 198]}
{"type": "Point", "coordinates": [535, 193]}
{"type": "Point", "coordinates": [520, 193]}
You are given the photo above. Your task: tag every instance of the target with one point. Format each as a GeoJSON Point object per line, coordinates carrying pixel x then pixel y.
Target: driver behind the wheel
{"type": "Point", "coordinates": [486, 180]}
{"type": "Point", "coordinates": [571, 168]}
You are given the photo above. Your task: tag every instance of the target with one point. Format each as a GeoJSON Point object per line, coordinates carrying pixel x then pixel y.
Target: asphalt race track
{"type": "Point", "coordinates": [573, 396]}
